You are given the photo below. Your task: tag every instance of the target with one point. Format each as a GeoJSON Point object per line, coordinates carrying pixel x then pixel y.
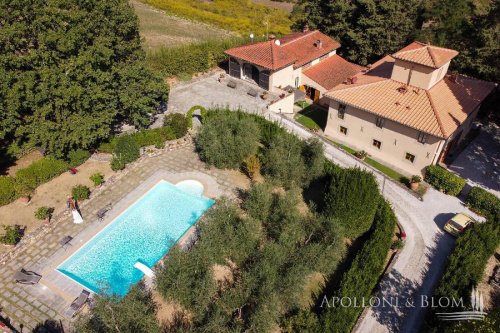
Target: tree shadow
{"type": "Point", "coordinates": [49, 326]}
{"type": "Point", "coordinates": [6, 321]}
{"type": "Point", "coordinates": [412, 297]}
{"type": "Point", "coordinates": [394, 292]}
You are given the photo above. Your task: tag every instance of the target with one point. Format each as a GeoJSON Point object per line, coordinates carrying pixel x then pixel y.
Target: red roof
{"type": "Point", "coordinates": [425, 54]}
{"type": "Point", "coordinates": [297, 48]}
{"type": "Point", "coordinates": [438, 111]}
{"type": "Point", "coordinates": [332, 71]}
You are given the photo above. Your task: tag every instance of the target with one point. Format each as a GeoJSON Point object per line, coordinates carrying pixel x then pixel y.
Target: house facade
{"type": "Point", "coordinates": [406, 110]}
{"type": "Point", "coordinates": [281, 65]}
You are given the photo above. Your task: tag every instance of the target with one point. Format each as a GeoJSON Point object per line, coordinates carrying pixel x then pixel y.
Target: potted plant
{"type": "Point", "coordinates": [415, 182]}
{"type": "Point", "coordinates": [361, 154]}
{"type": "Point", "coordinates": [44, 213]}
{"type": "Point", "coordinates": [264, 95]}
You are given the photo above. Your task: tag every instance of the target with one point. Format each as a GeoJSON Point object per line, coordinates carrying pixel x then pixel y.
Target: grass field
{"type": "Point", "coordinates": [158, 29]}
{"type": "Point", "coordinates": [240, 16]}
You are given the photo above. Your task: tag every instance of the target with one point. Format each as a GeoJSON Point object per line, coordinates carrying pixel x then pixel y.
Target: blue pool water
{"type": "Point", "coordinates": [144, 232]}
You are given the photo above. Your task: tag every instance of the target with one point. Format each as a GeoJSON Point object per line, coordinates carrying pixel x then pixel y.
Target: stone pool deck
{"type": "Point", "coordinates": [26, 306]}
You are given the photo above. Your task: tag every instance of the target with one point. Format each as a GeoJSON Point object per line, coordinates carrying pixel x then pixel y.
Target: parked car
{"type": "Point", "coordinates": [458, 224]}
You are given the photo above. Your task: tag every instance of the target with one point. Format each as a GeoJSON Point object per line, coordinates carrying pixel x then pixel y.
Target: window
{"type": "Point", "coordinates": [341, 112]}
{"type": "Point", "coordinates": [422, 137]}
{"type": "Point", "coordinates": [343, 130]}
{"type": "Point", "coordinates": [410, 157]}
{"type": "Point", "coordinates": [380, 122]}
{"type": "Point", "coordinates": [377, 144]}
{"type": "Point", "coordinates": [297, 82]}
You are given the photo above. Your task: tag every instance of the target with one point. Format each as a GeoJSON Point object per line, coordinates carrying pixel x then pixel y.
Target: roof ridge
{"type": "Point", "coordinates": [407, 51]}
{"type": "Point", "coordinates": [360, 85]}
{"type": "Point", "coordinates": [436, 114]}
{"type": "Point", "coordinates": [300, 37]}
{"type": "Point", "coordinates": [432, 55]}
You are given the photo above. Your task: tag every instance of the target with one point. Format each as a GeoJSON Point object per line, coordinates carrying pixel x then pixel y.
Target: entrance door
{"type": "Point", "coordinates": [312, 94]}
{"type": "Point", "coordinates": [234, 68]}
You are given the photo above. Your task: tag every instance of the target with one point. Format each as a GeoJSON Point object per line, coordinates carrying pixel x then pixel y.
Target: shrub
{"type": "Point", "coordinates": [155, 136]}
{"type": "Point", "coordinates": [259, 201]}
{"type": "Point", "coordinates": [7, 190]}
{"type": "Point", "coordinates": [97, 178]}
{"type": "Point", "coordinates": [361, 278]}
{"type": "Point", "coordinates": [117, 164]}
{"type": "Point", "coordinates": [12, 234]}
{"type": "Point", "coordinates": [177, 122]}
{"type": "Point", "coordinates": [40, 172]}
{"type": "Point", "coordinates": [227, 138]}
{"type": "Point", "coordinates": [127, 149]}
{"type": "Point", "coordinates": [444, 180]}
{"type": "Point", "coordinates": [352, 198]}
{"type": "Point", "coordinates": [77, 157]}
{"type": "Point", "coordinates": [251, 166]}
{"type": "Point", "coordinates": [107, 147]}
{"type": "Point", "coordinates": [483, 202]}
{"type": "Point", "coordinates": [80, 192]}
{"type": "Point", "coordinates": [43, 213]}
{"type": "Point", "coordinates": [416, 179]}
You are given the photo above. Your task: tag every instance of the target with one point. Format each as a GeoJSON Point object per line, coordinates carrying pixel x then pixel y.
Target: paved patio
{"type": "Point", "coordinates": [208, 92]}
{"type": "Point", "coordinates": [479, 163]}
{"type": "Point", "coordinates": [26, 306]}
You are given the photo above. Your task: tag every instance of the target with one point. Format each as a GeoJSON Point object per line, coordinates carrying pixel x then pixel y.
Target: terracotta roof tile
{"type": "Point", "coordinates": [438, 111]}
{"type": "Point", "coordinates": [266, 54]}
{"type": "Point", "coordinates": [332, 71]}
{"type": "Point", "coordinates": [297, 48]}
{"type": "Point", "coordinates": [424, 54]}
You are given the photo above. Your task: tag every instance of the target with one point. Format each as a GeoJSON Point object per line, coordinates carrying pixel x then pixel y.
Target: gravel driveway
{"type": "Point", "coordinates": [479, 163]}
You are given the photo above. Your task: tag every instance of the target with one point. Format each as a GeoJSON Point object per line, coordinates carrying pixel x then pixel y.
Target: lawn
{"type": "Point", "coordinates": [158, 29]}
{"type": "Point", "coordinates": [311, 116]}
{"type": "Point", "coordinates": [241, 16]}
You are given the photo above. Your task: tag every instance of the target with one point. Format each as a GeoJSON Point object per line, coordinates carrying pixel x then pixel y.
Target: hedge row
{"type": "Point", "coordinates": [361, 278]}
{"type": "Point", "coordinates": [29, 178]}
{"type": "Point", "coordinates": [464, 269]}
{"type": "Point", "coordinates": [149, 137]}
{"type": "Point", "coordinates": [483, 202]}
{"type": "Point", "coordinates": [444, 180]}
{"type": "Point", "coordinates": [192, 58]}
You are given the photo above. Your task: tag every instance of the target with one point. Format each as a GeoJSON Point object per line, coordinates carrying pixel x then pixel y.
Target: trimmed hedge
{"type": "Point", "coordinates": [77, 157]}
{"type": "Point", "coordinates": [483, 202]}
{"type": "Point", "coordinates": [189, 114]}
{"type": "Point", "coordinates": [40, 172]}
{"type": "Point", "coordinates": [147, 137]}
{"type": "Point", "coordinates": [361, 278]}
{"type": "Point", "coordinates": [444, 180]}
{"type": "Point", "coordinates": [7, 190]}
{"type": "Point", "coordinates": [464, 269]}
{"type": "Point", "coordinates": [352, 197]}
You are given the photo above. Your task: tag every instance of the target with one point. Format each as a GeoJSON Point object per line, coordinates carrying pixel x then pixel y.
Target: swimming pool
{"type": "Point", "coordinates": [144, 232]}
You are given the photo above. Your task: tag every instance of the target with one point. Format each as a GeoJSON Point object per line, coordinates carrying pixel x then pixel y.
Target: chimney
{"type": "Point", "coordinates": [319, 43]}
{"type": "Point", "coordinates": [306, 28]}
{"type": "Point", "coordinates": [272, 37]}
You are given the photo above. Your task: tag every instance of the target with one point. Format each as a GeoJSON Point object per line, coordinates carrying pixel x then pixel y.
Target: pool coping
{"type": "Point", "coordinates": [68, 288]}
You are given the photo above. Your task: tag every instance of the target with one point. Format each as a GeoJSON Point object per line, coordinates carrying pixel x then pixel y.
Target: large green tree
{"type": "Point", "coordinates": [471, 27]}
{"type": "Point", "coordinates": [71, 72]}
{"type": "Point", "coordinates": [367, 29]}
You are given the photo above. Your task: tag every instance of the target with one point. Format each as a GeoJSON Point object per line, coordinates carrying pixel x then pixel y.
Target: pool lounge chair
{"type": "Point", "coordinates": [101, 213]}
{"type": "Point", "coordinates": [27, 277]}
{"type": "Point", "coordinates": [78, 303]}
